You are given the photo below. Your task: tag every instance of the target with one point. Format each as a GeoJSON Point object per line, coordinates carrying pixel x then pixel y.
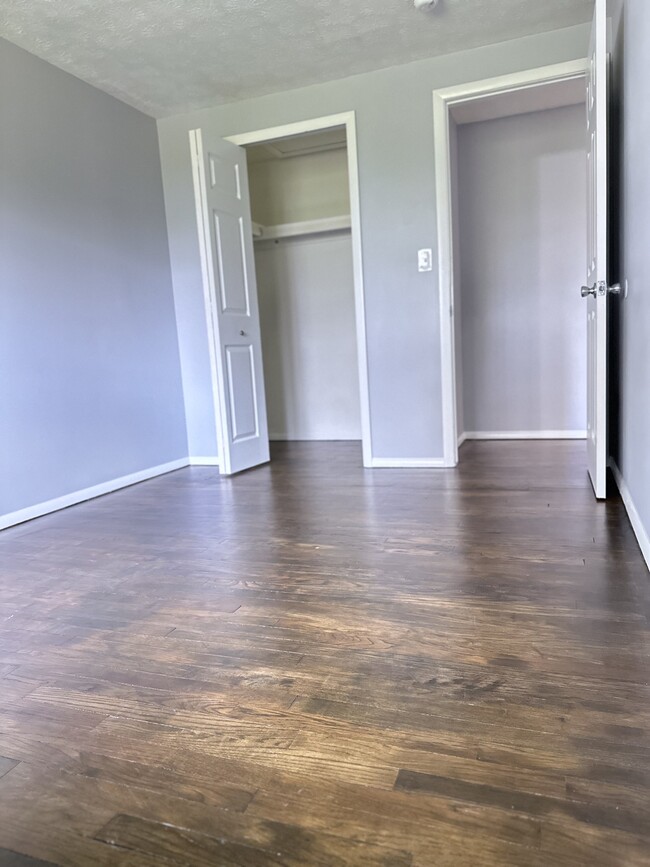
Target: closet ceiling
{"type": "Point", "coordinates": [169, 56]}
{"type": "Point", "coordinates": [298, 145]}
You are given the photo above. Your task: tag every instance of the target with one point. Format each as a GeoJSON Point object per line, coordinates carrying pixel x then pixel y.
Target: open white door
{"type": "Point", "coordinates": [597, 288]}
{"type": "Point", "coordinates": [230, 291]}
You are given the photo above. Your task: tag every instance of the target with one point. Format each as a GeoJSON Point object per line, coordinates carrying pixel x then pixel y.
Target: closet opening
{"type": "Point", "coordinates": [309, 291]}
{"type": "Point", "coordinates": [513, 246]}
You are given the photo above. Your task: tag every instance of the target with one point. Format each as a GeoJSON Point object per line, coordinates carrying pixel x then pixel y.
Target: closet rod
{"type": "Point", "coordinates": [305, 227]}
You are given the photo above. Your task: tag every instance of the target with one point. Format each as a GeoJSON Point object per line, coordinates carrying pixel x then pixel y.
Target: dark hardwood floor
{"type": "Point", "coordinates": [316, 664]}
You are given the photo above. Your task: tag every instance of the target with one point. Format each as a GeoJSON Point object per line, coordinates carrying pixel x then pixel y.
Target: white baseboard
{"type": "Point", "coordinates": [203, 462]}
{"type": "Point", "coordinates": [407, 463]}
{"type": "Point", "coordinates": [523, 435]}
{"type": "Point", "coordinates": [40, 509]}
{"type": "Point", "coordinates": [635, 519]}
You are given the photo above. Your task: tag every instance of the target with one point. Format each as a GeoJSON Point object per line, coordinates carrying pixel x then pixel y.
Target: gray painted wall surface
{"type": "Point", "coordinates": [306, 296]}
{"type": "Point", "coordinates": [522, 238]}
{"type": "Point", "coordinates": [630, 428]}
{"type": "Point", "coordinates": [396, 172]}
{"type": "Point", "coordinates": [306, 187]}
{"type": "Point", "coordinates": [90, 384]}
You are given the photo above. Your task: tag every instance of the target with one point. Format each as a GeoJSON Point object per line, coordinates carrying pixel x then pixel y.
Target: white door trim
{"type": "Point", "coordinates": [348, 120]}
{"type": "Point", "coordinates": [443, 100]}
{"type": "Point", "coordinates": [408, 463]}
{"type": "Point", "coordinates": [74, 497]}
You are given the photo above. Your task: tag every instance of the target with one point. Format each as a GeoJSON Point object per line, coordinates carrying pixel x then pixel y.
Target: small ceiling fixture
{"type": "Point", "coordinates": [425, 5]}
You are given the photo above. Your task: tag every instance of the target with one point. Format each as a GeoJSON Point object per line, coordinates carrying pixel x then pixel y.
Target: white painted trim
{"type": "Point", "coordinates": [302, 228]}
{"type": "Point", "coordinates": [444, 204]}
{"type": "Point", "coordinates": [348, 120]}
{"type": "Point", "coordinates": [525, 435]}
{"type": "Point", "coordinates": [523, 80]}
{"type": "Point", "coordinates": [315, 124]}
{"type": "Point", "coordinates": [408, 463]}
{"type": "Point", "coordinates": [72, 499]}
{"type": "Point", "coordinates": [203, 462]}
{"type": "Point", "coordinates": [635, 519]}
{"type": "Point", "coordinates": [443, 100]}
{"type": "Point", "coordinates": [359, 291]}
{"type": "Point", "coordinates": [461, 439]}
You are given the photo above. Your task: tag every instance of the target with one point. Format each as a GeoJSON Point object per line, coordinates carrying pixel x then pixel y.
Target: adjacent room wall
{"type": "Point", "coordinates": [90, 389]}
{"type": "Point", "coordinates": [306, 187]}
{"type": "Point", "coordinates": [630, 385]}
{"type": "Point", "coordinates": [522, 240]}
{"type": "Point", "coordinates": [396, 176]}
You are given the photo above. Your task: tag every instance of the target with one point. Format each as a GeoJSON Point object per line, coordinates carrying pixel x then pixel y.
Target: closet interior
{"type": "Point", "coordinates": [300, 204]}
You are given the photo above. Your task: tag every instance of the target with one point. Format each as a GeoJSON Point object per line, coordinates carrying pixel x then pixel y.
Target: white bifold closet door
{"type": "Point", "coordinates": [230, 290]}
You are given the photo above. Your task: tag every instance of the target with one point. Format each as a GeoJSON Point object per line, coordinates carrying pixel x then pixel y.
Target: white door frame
{"type": "Point", "coordinates": [347, 120]}
{"type": "Point", "coordinates": [443, 101]}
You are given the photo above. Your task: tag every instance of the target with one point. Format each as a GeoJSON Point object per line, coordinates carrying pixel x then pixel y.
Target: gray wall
{"type": "Point", "coordinates": [90, 385]}
{"type": "Point", "coordinates": [522, 216]}
{"type": "Point", "coordinates": [306, 295]}
{"type": "Point", "coordinates": [306, 187]}
{"type": "Point", "coordinates": [630, 424]}
{"type": "Point", "coordinates": [395, 139]}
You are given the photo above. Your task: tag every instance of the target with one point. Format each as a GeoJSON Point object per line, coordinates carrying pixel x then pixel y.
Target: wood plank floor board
{"type": "Point", "coordinates": [283, 845]}
{"type": "Point", "coordinates": [635, 821]}
{"type": "Point", "coordinates": [316, 664]}
{"type": "Point", "coordinates": [15, 859]}
{"type": "Point", "coordinates": [6, 765]}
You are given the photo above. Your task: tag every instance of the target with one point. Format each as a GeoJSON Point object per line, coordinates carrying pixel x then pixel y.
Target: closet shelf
{"type": "Point", "coordinates": [305, 227]}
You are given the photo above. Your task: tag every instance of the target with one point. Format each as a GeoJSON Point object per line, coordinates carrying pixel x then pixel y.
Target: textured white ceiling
{"type": "Point", "coordinates": [169, 56]}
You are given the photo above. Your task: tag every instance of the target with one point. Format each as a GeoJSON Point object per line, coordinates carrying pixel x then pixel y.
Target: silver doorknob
{"type": "Point", "coordinates": [600, 289]}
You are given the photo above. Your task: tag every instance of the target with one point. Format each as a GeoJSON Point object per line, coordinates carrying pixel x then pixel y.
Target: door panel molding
{"type": "Point", "coordinates": [238, 412]}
